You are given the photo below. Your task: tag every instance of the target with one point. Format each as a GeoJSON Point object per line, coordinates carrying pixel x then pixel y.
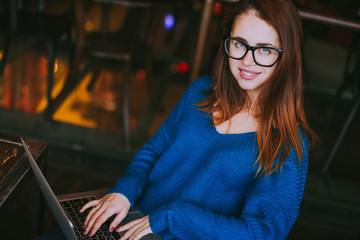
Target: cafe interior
{"type": "Point", "coordinates": [89, 82]}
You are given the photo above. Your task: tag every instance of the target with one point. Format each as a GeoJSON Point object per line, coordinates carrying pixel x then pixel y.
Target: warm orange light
{"type": "Point", "coordinates": [89, 26]}
{"type": "Point", "coordinates": [140, 74]}
{"type": "Point", "coordinates": [43, 66]}
{"type": "Point", "coordinates": [25, 89]}
{"type": "Point", "coordinates": [217, 9]}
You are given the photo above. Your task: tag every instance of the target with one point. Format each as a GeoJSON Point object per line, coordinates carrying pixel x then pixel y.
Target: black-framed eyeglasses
{"type": "Point", "coordinates": [263, 56]}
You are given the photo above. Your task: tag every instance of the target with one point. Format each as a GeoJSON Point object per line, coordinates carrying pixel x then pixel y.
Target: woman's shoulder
{"type": "Point", "coordinates": [198, 89]}
{"type": "Point", "coordinates": [202, 83]}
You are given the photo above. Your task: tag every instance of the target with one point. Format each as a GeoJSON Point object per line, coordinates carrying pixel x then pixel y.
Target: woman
{"type": "Point", "coordinates": [230, 162]}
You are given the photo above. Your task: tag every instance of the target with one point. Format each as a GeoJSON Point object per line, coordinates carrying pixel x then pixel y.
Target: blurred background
{"type": "Point", "coordinates": [96, 79]}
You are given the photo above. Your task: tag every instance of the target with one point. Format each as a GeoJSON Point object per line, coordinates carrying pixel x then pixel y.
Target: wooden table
{"type": "Point", "coordinates": [15, 174]}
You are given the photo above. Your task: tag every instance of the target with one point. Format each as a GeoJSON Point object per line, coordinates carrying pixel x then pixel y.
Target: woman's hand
{"type": "Point", "coordinates": [104, 208]}
{"type": "Point", "coordinates": [135, 229]}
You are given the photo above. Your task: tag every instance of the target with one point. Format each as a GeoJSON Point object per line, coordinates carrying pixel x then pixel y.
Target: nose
{"type": "Point", "coordinates": [248, 59]}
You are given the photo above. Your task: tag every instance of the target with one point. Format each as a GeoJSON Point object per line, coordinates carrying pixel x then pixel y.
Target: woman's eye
{"type": "Point", "coordinates": [240, 44]}
{"type": "Point", "coordinates": [265, 50]}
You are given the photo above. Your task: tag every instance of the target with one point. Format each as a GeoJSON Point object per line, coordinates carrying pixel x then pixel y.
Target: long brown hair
{"type": "Point", "coordinates": [281, 118]}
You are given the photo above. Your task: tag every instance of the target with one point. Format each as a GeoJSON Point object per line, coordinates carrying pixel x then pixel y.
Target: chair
{"type": "Point", "coordinates": [131, 44]}
{"type": "Point", "coordinates": [26, 20]}
{"type": "Point", "coordinates": [121, 48]}
{"type": "Point", "coordinates": [351, 81]}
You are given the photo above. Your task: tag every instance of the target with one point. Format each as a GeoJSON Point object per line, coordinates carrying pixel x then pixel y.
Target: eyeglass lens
{"type": "Point", "coordinates": [262, 55]}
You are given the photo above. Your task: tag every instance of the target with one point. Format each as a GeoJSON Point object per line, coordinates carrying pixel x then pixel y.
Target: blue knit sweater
{"type": "Point", "coordinates": [198, 184]}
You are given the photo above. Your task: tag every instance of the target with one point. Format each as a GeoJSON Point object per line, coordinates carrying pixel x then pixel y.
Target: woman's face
{"type": "Point", "coordinates": [255, 32]}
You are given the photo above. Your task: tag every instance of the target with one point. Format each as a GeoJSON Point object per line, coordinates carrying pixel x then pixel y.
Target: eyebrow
{"type": "Point", "coordinates": [257, 45]}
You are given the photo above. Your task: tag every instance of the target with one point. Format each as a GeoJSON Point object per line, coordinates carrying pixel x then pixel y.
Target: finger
{"type": "Point", "coordinates": [117, 220]}
{"type": "Point", "coordinates": [143, 228]}
{"type": "Point", "coordinates": [141, 233]}
{"type": "Point", "coordinates": [137, 231]}
{"type": "Point", "coordinates": [136, 226]}
{"type": "Point", "coordinates": [90, 220]}
{"type": "Point", "coordinates": [99, 218]}
{"type": "Point", "coordinates": [89, 204]}
{"type": "Point", "coordinates": [96, 204]}
{"type": "Point", "coordinates": [128, 233]}
{"type": "Point", "coordinates": [128, 225]}
{"type": "Point", "coordinates": [93, 216]}
{"type": "Point", "coordinates": [89, 217]}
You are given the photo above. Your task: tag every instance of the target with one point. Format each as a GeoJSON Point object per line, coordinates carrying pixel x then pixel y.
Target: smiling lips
{"type": "Point", "coordinates": [248, 75]}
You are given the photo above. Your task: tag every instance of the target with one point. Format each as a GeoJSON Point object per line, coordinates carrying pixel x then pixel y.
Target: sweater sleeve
{"type": "Point", "coordinates": [135, 178]}
{"type": "Point", "coordinates": [136, 174]}
{"type": "Point", "coordinates": [270, 209]}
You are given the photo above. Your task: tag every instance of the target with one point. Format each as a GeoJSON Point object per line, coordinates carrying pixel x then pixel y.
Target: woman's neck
{"type": "Point", "coordinates": [241, 122]}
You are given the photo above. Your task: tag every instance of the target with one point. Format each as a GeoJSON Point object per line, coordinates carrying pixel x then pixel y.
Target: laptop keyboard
{"type": "Point", "coordinates": [72, 208]}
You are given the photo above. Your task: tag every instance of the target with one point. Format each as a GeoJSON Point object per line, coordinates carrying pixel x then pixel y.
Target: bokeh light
{"type": "Point", "coordinates": [169, 21]}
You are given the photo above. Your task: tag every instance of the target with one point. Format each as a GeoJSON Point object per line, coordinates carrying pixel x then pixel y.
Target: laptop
{"type": "Point", "coordinates": [65, 209]}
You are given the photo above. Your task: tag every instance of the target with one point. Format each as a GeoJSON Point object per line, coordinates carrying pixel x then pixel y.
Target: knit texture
{"type": "Point", "coordinates": [196, 183]}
